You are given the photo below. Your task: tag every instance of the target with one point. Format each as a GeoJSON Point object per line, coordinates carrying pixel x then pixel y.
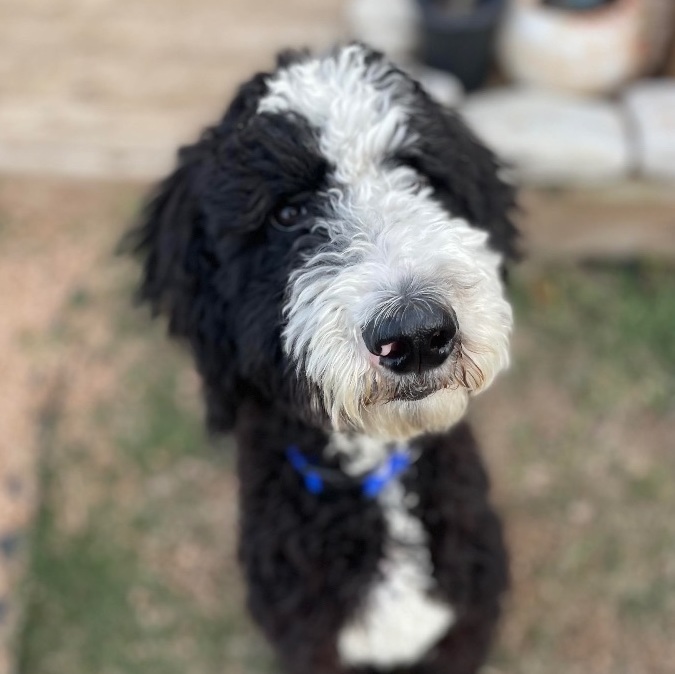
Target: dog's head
{"type": "Point", "coordinates": [335, 245]}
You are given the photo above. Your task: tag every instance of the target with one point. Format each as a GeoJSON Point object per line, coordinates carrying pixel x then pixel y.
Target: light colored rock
{"type": "Point", "coordinates": [651, 109]}
{"type": "Point", "coordinates": [388, 25]}
{"type": "Point", "coordinates": [586, 52]}
{"type": "Point", "coordinates": [551, 138]}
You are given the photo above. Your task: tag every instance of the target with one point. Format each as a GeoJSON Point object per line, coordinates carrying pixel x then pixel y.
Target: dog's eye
{"type": "Point", "coordinates": [289, 217]}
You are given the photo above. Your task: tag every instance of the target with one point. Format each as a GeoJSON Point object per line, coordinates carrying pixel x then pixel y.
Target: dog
{"type": "Point", "coordinates": [333, 252]}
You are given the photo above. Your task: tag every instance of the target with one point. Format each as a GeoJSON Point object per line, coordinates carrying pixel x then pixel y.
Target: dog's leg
{"type": "Point", "coordinates": [301, 659]}
{"type": "Point", "coordinates": [467, 546]}
{"type": "Point", "coordinates": [463, 649]}
{"type": "Point", "coordinates": [308, 559]}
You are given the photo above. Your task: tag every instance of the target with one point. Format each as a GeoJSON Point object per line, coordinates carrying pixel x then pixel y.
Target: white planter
{"type": "Point", "coordinates": [550, 138]}
{"type": "Point", "coordinates": [651, 106]}
{"type": "Point", "coordinates": [586, 52]}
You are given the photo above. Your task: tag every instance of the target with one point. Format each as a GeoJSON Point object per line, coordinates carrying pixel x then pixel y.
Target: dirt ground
{"type": "Point", "coordinates": [41, 262]}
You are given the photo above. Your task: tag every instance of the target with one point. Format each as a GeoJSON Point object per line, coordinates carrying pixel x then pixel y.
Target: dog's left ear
{"type": "Point", "coordinates": [467, 176]}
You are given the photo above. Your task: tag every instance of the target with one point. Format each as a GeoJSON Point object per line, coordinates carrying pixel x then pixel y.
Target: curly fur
{"type": "Point", "coordinates": [399, 203]}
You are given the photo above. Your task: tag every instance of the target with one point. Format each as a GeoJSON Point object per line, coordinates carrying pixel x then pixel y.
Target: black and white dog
{"type": "Point", "coordinates": [333, 252]}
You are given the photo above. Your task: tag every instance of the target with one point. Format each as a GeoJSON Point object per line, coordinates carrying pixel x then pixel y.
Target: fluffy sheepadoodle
{"type": "Point", "coordinates": [333, 252]}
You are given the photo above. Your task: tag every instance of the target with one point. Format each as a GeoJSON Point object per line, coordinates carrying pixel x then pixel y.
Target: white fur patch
{"type": "Point", "coordinates": [399, 621]}
{"type": "Point", "coordinates": [361, 454]}
{"type": "Point", "coordinates": [389, 239]}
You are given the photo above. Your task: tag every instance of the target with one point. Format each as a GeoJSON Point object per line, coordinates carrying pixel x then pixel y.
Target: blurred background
{"type": "Point", "coordinates": [117, 517]}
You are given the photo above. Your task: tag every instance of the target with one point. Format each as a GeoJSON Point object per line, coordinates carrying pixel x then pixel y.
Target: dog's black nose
{"type": "Point", "coordinates": [416, 338]}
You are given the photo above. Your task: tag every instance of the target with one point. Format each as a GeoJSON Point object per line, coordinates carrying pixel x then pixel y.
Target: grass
{"type": "Point", "coordinates": [132, 564]}
{"type": "Point", "coordinates": [133, 553]}
{"type": "Point", "coordinates": [616, 321]}
{"type": "Point", "coordinates": [587, 473]}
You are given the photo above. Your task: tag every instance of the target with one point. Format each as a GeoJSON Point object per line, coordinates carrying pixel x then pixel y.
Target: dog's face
{"type": "Point", "coordinates": [335, 245]}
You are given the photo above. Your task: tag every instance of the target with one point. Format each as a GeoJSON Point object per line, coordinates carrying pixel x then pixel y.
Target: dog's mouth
{"type": "Point", "coordinates": [413, 390]}
{"type": "Point", "coordinates": [413, 394]}
{"type": "Point", "coordinates": [460, 372]}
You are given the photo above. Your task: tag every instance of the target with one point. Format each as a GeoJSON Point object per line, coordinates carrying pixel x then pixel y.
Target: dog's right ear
{"type": "Point", "coordinates": [179, 280]}
{"type": "Point", "coordinates": [183, 275]}
{"type": "Point", "coordinates": [163, 237]}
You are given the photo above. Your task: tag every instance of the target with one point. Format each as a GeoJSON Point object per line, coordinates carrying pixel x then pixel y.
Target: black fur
{"type": "Point", "coordinates": [212, 267]}
{"type": "Point", "coordinates": [465, 175]}
{"type": "Point", "coordinates": [217, 266]}
{"type": "Point", "coordinates": [309, 559]}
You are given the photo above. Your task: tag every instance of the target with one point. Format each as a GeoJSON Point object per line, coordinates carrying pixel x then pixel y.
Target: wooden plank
{"type": "Point", "coordinates": [109, 88]}
{"type": "Point", "coordinates": [619, 221]}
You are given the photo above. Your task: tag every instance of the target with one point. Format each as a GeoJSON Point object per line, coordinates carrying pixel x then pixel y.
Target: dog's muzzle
{"type": "Point", "coordinates": [412, 339]}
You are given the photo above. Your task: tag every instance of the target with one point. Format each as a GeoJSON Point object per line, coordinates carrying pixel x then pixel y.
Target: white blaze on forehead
{"type": "Point", "coordinates": [358, 107]}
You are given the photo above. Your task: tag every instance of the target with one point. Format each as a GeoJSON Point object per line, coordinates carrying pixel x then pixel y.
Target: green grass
{"type": "Point", "coordinates": [162, 434]}
{"type": "Point", "coordinates": [610, 326]}
{"type": "Point", "coordinates": [127, 499]}
{"type": "Point", "coordinates": [588, 466]}
{"type": "Point", "coordinates": [79, 594]}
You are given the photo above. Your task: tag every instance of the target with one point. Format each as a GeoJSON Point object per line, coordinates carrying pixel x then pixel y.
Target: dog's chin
{"type": "Point", "coordinates": [413, 413]}
{"type": "Point", "coordinates": [416, 394]}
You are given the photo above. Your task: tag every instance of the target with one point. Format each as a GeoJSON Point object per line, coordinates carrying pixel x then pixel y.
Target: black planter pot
{"type": "Point", "coordinates": [460, 43]}
{"type": "Point", "coordinates": [578, 5]}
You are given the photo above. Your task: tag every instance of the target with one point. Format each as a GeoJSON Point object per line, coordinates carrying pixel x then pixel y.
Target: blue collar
{"type": "Point", "coordinates": [372, 483]}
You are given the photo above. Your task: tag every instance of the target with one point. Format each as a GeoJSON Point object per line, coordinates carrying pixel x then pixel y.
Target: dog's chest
{"type": "Point", "coordinates": [398, 620]}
